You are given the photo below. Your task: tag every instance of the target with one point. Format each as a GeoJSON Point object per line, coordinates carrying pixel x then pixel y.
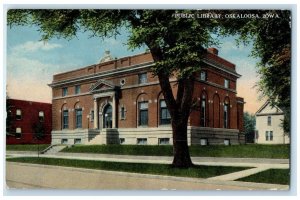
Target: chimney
{"type": "Point", "coordinates": [213, 50]}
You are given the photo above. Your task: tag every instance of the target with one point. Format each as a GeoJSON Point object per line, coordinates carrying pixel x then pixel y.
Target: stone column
{"type": "Point", "coordinates": [95, 114]}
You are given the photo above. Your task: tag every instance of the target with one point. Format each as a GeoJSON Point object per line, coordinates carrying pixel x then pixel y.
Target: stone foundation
{"type": "Point", "coordinates": [149, 136]}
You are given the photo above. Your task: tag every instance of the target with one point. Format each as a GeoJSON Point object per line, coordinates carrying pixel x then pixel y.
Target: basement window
{"type": "Point", "coordinates": [226, 142]}
{"type": "Point", "coordinates": [141, 141]}
{"type": "Point", "coordinates": [64, 141]}
{"type": "Point", "coordinates": [163, 141]}
{"type": "Point", "coordinates": [203, 142]}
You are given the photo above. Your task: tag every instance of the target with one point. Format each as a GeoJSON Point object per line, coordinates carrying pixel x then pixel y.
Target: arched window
{"type": "Point", "coordinates": [143, 113]}
{"type": "Point", "coordinates": [107, 116]}
{"type": "Point", "coordinates": [142, 103]}
{"type": "Point", "coordinates": [226, 113]}
{"type": "Point", "coordinates": [165, 117]}
{"type": "Point", "coordinates": [203, 111]}
{"type": "Point", "coordinates": [64, 117]}
{"type": "Point", "coordinates": [78, 117]}
{"type": "Point", "coordinates": [65, 121]}
{"type": "Point", "coordinates": [216, 111]}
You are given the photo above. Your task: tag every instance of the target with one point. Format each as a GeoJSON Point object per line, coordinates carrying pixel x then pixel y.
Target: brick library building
{"type": "Point", "coordinates": [119, 101]}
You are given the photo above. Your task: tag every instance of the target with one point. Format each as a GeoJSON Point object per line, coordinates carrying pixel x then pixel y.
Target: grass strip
{"type": "Point", "coordinates": [197, 171]}
{"type": "Point", "coordinates": [26, 147]}
{"type": "Point", "coordinates": [234, 151]}
{"type": "Point", "coordinates": [274, 176]}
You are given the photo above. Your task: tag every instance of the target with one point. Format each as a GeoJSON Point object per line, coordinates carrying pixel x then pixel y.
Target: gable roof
{"type": "Point", "coordinates": [267, 103]}
{"type": "Point", "coordinates": [102, 85]}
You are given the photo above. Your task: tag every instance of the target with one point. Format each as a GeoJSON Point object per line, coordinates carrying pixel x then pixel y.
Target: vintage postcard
{"type": "Point", "coordinates": [148, 99]}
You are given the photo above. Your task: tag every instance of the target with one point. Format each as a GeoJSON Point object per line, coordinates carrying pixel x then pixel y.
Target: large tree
{"type": "Point", "coordinates": [271, 37]}
{"type": "Point", "coordinates": [177, 44]}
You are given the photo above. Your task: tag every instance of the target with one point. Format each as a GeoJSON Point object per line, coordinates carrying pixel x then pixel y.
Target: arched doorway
{"type": "Point", "coordinates": [107, 116]}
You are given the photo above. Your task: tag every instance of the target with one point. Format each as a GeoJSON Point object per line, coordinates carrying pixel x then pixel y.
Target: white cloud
{"type": "Point", "coordinates": [27, 77]}
{"type": "Point", "coordinates": [33, 46]}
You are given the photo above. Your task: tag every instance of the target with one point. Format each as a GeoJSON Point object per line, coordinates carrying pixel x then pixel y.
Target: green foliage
{"type": "Point", "coordinates": [26, 147]}
{"type": "Point", "coordinates": [273, 176]}
{"type": "Point", "coordinates": [234, 151]}
{"type": "Point", "coordinates": [197, 171]}
{"type": "Point", "coordinates": [249, 123]}
{"type": "Point", "coordinates": [272, 45]}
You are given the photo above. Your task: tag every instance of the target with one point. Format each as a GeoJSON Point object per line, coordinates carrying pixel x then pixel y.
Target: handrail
{"type": "Point", "coordinates": [45, 150]}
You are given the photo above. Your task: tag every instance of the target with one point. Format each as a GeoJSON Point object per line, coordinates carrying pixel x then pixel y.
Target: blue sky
{"type": "Point", "coordinates": [31, 63]}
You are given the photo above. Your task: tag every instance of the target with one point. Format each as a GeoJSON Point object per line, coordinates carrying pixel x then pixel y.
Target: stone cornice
{"type": "Point", "coordinates": [130, 69]}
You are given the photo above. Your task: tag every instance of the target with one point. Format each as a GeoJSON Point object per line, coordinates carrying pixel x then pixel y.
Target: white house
{"type": "Point", "coordinates": [268, 126]}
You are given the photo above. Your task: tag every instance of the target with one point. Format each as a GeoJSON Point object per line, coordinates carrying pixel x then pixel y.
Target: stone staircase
{"type": "Point", "coordinates": [53, 149]}
{"type": "Point", "coordinates": [98, 139]}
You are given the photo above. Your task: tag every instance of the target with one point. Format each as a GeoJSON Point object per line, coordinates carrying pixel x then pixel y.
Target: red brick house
{"type": "Point", "coordinates": [120, 101]}
{"type": "Point", "coordinates": [24, 117]}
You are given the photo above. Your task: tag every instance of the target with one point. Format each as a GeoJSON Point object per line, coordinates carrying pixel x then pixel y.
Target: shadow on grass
{"type": "Point", "coordinates": [197, 171]}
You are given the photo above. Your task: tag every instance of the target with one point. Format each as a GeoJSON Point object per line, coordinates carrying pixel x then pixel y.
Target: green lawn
{"type": "Point", "coordinates": [198, 171]}
{"type": "Point", "coordinates": [235, 151]}
{"type": "Point", "coordinates": [275, 176]}
{"type": "Point", "coordinates": [26, 147]}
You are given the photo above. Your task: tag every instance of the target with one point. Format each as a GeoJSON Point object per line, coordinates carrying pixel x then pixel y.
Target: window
{"type": "Point", "coordinates": [165, 117]}
{"type": "Point", "coordinates": [65, 119]}
{"type": "Point", "coordinates": [18, 114]}
{"type": "Point", "coordinates": [122, 140]}
{"type": "Point", "coordinates": [78, 117]}
{"type": "Point", "coordinates": [203, 141]}
{"type": "Point", "coordinates": [203, 111]}
{"type": "Point", "coordinates": [163, 141]}
{"type": "Point", "coordinates": [41, 116]}
{"type": "Point", "coordinates": [64, 141]}
{"type": "Point", "coordinates": [203, 76]}
{"type": "Point", "coordinates": [226, 110]}
{"type": "Point", "coordinates": [122, 112]}
{"type": "Point", "coordinates": [77, 89]}
{"type": "Point", "coordinates": [92, 116]}
{"type": "Point", "coordinates": [269, 120]}
{"type": "Point", "coordinates": [143, 113]}
{"type": "Point", "coordinates": [141, 141]}
{"type": "Point", "coordinates": [226, 83]}
{"type": "Point", "coordinates": [269, 135]}
{"type": "Point", "coordinates": [77, 141]}
{"type": "Point", "coordinates": [142, 78]}
{"type": "Point", "coordinates": [18, 133]}
{"type": "Point", "coordinates": [226, 142]}
{"type": "Point", "coordinates": [64, 91]}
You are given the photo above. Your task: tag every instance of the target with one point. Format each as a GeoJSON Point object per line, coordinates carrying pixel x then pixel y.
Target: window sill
{"type": "Point", "coordinates": [164, 125]}
{"type": "Point", "coordinates": [143, 126]}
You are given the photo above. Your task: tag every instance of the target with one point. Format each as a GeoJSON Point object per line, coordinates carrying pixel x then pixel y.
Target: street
{"type": "Point", "coordinates": [28, 176]}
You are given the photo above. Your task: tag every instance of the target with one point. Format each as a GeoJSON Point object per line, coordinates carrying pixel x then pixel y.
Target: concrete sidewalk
{"type": "Point", "coordinates": [257, 164]}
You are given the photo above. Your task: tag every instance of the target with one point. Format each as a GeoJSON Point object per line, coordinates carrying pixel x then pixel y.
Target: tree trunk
{"type": "Point", "coordinates": [181, 153]}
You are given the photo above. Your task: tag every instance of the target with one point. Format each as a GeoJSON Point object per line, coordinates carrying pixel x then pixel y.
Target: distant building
{"type": "Point", "coordinates": [269, 126]}
{"type": "Point", "coordinates": [119, 101]}
{"type": "Point", "coordinates": [24, 118]}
